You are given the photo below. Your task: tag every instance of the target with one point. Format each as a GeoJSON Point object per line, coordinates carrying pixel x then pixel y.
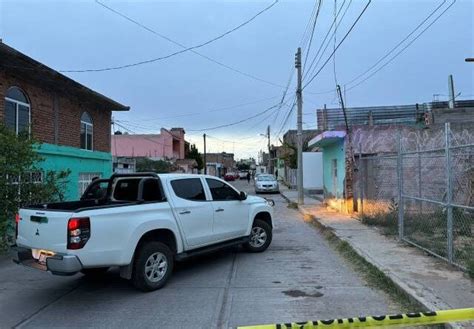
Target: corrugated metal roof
{"type": "Point", "coordinates": [381, 115]}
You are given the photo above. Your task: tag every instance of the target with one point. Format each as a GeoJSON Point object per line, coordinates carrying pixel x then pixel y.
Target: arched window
{"type": "Point", "coordinates": [86, 131]}
{"type": "Point", "coordinates": [17, 110]}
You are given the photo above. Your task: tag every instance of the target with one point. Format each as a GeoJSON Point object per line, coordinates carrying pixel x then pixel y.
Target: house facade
{"type": "Point", "coordinates": [344, 158]}
{"type": "Point", "coordinates": [167, 145]}
{"type": "Point", "coordinates": [218, 164]}
{"type": "Point", "coordinates": [71, 121]}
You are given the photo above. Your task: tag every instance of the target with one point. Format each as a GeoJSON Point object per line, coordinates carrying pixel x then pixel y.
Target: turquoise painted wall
{"type": "Point", "coordinates": [332, 151]}
{"type": "Point", "coordinates": [57, 158]}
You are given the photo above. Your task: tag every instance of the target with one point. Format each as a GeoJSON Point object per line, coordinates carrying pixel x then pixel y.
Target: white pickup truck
{"type": "Point", "coordinates": [141, 223]}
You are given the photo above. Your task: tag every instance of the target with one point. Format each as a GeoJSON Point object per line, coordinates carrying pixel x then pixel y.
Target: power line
{"type": "Point", "coordinates": [110, 68]}
{"type": "Point", "coordinates": [304, 37]}
{"type": "Point", "coordinates": [403, 49]}
{"type": "Point", "coordinates": [322, 44]}
{"type": "Point", "coordinates": [398, 44]}
{"type": "Point", "coordinates": [312, 31]}
{"type": "Point", "coordinates": [282, 127]}
{"type": "Point", "coordinates": [184, 47]}
{"type": "Point", "coordinates": [213, 110]}
{"type": "Point", "coordinates": [236, 122]}
{"type": "Point", "coordinates": [340, 43]}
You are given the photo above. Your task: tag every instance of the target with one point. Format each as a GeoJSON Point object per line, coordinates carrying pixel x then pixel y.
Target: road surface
{"type": "Point", "coordinates": [300, 277]}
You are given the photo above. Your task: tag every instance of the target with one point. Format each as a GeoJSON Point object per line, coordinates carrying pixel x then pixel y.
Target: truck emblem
{"type": "Point", "coordinates": [37, 232]}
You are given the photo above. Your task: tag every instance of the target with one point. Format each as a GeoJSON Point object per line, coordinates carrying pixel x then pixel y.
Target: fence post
{"type": "Point", "coordinates": [400, 188]}
{"type": "Point", "coordinates": [449, 190]}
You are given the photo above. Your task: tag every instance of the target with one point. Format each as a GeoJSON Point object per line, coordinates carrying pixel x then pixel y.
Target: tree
{"type": "Point", "coordinates": [194, 154]}
{"type": "Point", "coordinates": [20, 186]}
{"type": "Point", "coordinates": [243, 166]}
{"type": "Point", "coordinates": [291, 157]}
{"type": "Point", "coordinates": [158, 166]}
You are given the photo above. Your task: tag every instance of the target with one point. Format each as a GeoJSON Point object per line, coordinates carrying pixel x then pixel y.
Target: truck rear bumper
{"type": "Point", "coordinates": [57, 264]}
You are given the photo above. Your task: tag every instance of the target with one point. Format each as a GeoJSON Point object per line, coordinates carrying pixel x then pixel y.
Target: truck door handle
{"type": "Point", "coordinates": [219, 209]}
{"type": "Point", "coordinates": [185, 212]}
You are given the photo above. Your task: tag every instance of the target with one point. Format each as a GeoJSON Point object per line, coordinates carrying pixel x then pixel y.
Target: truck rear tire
{"type": "Point", "coordinates": [153, 266]}
{"type": "Point", "coordinates": [260, 236]}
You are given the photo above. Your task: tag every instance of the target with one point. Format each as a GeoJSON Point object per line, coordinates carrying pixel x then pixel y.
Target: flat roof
{"type": "Point", "coordinates": [26, 68]}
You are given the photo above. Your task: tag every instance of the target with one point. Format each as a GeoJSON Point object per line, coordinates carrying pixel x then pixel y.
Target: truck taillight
{"type": "Point", "coordinates": [17, 221]}
{"type": "Point", "coordinates": [78, 232]}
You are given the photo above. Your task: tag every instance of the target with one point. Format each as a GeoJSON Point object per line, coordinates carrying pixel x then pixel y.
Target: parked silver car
{"type": "Point", "coordinates": [266, 183]}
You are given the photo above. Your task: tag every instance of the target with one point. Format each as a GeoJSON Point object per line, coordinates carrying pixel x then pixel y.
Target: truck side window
{"type": "Point", "coordinates": [189, 189]}
{"type": "Point", "coordinates": [221, 191]}
{"type": "Point", "coordinates": [151, 190]}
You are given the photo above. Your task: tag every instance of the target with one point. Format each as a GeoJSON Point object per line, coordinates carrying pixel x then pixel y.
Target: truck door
{"type": "Point", "coordinates": [231, 215]}
{"type": "Point", "coordinates": [195, 214]}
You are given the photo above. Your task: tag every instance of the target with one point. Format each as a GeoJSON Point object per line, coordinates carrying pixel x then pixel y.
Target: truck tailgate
{"type": "Point", "coordinates": [45, 230]}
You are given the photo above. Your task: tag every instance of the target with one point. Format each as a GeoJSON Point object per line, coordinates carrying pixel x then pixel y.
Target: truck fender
{"type": "Point", "coordinates": [259, 209]}
{"type": "Point", "coordinates": [146, 227]}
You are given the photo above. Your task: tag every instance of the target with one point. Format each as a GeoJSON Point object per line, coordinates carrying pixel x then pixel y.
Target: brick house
{"type": "Point", "coordinates": [72, 122]}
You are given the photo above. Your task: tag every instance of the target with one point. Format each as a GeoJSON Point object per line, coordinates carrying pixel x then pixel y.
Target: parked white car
{"type": "Point", "coordinates": [266, 183]}
{"type": "Point", "coordinates": [141, 223]}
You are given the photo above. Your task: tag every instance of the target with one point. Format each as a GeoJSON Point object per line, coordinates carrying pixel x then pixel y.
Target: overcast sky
{"type": "Point", "coordinates": [191, 92]}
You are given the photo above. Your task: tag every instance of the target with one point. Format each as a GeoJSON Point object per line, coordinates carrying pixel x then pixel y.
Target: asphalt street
{"type": "Point", "coordinates": [300, 277]}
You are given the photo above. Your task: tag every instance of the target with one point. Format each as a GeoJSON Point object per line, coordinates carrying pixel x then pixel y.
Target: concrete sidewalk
{"type": "Point", "coordinates": [429, 281]}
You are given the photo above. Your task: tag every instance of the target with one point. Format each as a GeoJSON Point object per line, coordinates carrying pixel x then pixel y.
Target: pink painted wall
{"type": "Point", "coordinates": [149, 145]}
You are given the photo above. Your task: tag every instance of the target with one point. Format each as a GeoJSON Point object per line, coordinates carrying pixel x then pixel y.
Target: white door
{"type": "Point", "coordinates": [230, 213]}
{"type": "Point", "coordinates": [195, 214]}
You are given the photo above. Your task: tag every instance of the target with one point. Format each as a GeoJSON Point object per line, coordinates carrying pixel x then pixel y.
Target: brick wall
{"type": "Point", "coordinates": [70, 109]}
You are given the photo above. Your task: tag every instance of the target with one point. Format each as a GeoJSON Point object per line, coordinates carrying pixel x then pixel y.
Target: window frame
{"type": "Point", "coordinates": [225, 183]}
{"type": "Point", "coordinates": [17, 103]}
{"type": "Point", "coordinates": [88, 125]}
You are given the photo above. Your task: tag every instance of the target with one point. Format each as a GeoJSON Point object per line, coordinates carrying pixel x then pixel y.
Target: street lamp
{"type": "Point", "coordinates": [469, 59]}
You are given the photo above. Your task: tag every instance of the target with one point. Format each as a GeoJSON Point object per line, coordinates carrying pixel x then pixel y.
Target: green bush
{"type": "Point", "coordinates": [18, 159]}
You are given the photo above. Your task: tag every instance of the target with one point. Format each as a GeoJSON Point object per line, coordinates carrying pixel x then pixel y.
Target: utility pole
{"type": "Point", "coordinates": [269, 151]}
{"type": "Point", "coordinates": [299, 133]}
{"type": "Point", "coordinates": [205, 160]}
{"type": "Point", "coordinates": [451, 92]}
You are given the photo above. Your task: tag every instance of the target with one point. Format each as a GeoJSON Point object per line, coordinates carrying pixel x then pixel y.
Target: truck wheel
{"type": "Point", "coordinates": [94, 272]}
{"type": "Point", "coordinates": [152, 267]}
{"type": "Point", "coordinates": [260, 236]}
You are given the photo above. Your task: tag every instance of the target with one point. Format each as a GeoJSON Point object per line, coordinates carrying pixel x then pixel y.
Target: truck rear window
{"type": "Point", "coordinates": [126, 189]}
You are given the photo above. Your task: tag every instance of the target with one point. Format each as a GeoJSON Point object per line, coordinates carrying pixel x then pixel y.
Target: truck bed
{"type": "Point", "coordinates": [75, 206]}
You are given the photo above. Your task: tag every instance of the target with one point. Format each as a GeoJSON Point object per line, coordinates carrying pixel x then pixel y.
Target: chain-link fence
{"type": "Point", "coordinates": [435, 184]}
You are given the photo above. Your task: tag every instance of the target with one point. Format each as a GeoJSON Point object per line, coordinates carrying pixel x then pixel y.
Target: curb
{"type": "Point", "coordinates": [397, 282]}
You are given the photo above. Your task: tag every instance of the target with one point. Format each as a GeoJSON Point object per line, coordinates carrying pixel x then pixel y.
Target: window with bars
{"type": "Point", "coordinates": [85, 179]}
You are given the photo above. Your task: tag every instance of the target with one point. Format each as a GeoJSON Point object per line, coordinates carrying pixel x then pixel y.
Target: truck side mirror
{"type": "Point", "coordinates": [243, 195]}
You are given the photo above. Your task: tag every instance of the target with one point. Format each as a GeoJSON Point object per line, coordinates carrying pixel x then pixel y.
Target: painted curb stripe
{"type": "Point", "coordinates": [456, 315]}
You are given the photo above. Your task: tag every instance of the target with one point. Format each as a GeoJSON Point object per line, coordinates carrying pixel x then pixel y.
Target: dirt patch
{"type": "Point", "coordinates": [299, 293]}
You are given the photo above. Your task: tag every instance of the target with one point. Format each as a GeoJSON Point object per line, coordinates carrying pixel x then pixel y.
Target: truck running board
{"type": "Point", "coordinates": [211, 248]}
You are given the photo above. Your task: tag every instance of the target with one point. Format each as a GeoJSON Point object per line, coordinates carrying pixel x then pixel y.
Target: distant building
{"type": "Point", "coordinates": [124, 165]}
{"type": "Point", "coordinates": [70, 120]}
{"type": "Point", "coordinates": [167, 145]}
{"type": "Point", "coordinates": [188, 166]}
{"type": "Point", "coordinates": [218, 164]}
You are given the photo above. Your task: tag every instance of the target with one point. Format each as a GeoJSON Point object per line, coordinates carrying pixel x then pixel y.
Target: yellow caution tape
{"type": "Point", "coordinates": [465, 314]}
